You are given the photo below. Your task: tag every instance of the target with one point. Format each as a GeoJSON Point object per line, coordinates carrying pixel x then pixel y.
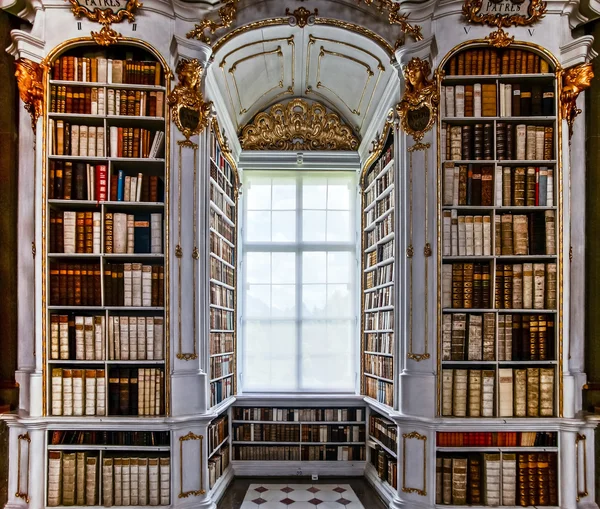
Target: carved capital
{"type": "Point", "coordinates": [574, 81]}
{"type": "Point", "coordinates": [31, 87]}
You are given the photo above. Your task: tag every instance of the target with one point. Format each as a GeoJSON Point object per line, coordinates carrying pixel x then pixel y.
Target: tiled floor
{"type": "Point", "coordinates": [289, 493]}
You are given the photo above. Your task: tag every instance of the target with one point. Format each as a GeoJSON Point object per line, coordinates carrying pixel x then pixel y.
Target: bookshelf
{"type": "Point", "coordinates": [219, 450]}
{"type": "Point", "coordinates": [382, 445]}
{"type": "Point", "coordinates": [223, 272]}
{"type": "Point", "coordinates": [378, 346]}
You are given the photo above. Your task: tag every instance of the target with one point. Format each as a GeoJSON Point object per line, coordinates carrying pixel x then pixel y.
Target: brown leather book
{"type": "Point", "coordinates": [543, 351]}
{"type": "Point", "coordinates": [487, 186]}
{"type": "Point", "coordinates": [60, 233]}
{"type": "Point", "coordinates": [62, 284]}
{"type": "Point", "coordinates": [459, 481]}
{"type": "Point", "coordinates": [507, 279]}
{"type": "Point", "coordinates": [499, 295]}
{"type": "Point", "coordinates": [107, 285]}
{"type": "Point", "coordinates": [480, 58]}
{"type": "Point", "coordinates": [452, 66]}
{"type": "Point", "coordinates": [505, 62]}
{"type": "Point", "coordinates": [67, 180]}
{"type": "Point", "coordinates": [86, 300]}
{"type": "Point", "coordinates": [154, 188]}
{"type": "Point", "coordinates": [115, 284]}
{"type": "Point", "coordinates": [485, 287]}
{"type": "Point", "coordinates": [70, 285]}
{"type": "Point", "coordinates": [543, 479]}
{"type": "Point", "coordinates": [534, 352]}
{"type": "Point", "coordinates": [518, 60]}
{"type": "Point", "coordinates": [161, 286]}
{"type": "Point", "coordinates": [89, 232]}
{"type": "Point", "coordinates": [136, 143]}
{"type": "Point", "coordinates": [468, 59]}
{"type": "Point", "coordinates": [108, 232]}
{"type": "Point", "coordinates": [468, 285]}
{"type": "Point", "coordinates": [447, 480]}
{"type": "Point", "coordinates": [77, 284]}
{"type": "Point", "coordinates": [533, 392]}
{"type": "Point", "coordinates": [477, 286]}
{"type": "Point", "coordinates": [552, 479]}
{"type": "Point", "coordinates": [532, 478]}
{"type": "Point", "coordinates": [525, 339]}
{"type": "Point", "coordinates": [120, 285]}
{"type": "Point", "coordinates": [97, 285]}
{"type": "Point", "coordinates": [474, 480]}
{"type": "Point", "coordinates": [531, 63]}
{"type": "Point", "coordinates": [519, 187]}
{"type": "Point", "coordinates": [488, 100]}
{"type": "Point", "coordinates": [154, 300]}
{"type": "Point", "coordinates": [123, 391]}
{"type": "Point", "coordinates": [137, 104]}
{"type": "Point", "coordinates": [522, 479]}
{"type": "Point", "coordinates": [517, 351]}
{"type": "Point", "coordinates": [52, 243]}
{"type": "Point", "coordinates": [548, 143]}
{"type": "Point", "coordinates": [54, 285]}
{"type": "Point", "coordinates": [461, 64]}
{"type": "Point", "coordinates": [457, 285]}
{"type": "Point", "coordinates": [80, 233]}
{"type": "Point", "coordinates": [131, 102]}
{"type": "Point", "coordinates": [80, 182]}
{"type": "Point", "coordinates": [488, 141]}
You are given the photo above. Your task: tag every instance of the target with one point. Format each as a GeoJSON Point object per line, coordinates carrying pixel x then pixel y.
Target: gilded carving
{"type": "Point", "coordinates": [395, 18]}
{"type": "Point", "coordinates": [31, 88]}
{"type": "Point", "coordinates": [227, 15]}
{"type": "Point", "coordinates": [574, 81]}
{"type": "Point", "coordinates": [492, 13]}
{"type": "Point", "coordinates": [298, 125]}
{"type": "Point", "coordinates": [419, 105]}
{"type": "Point", "coordinates": [302, 17]}
{"type": "Point", "coordinates": [190, 112]}
{"type": "Point", "coordinates": [106, 16]}
{"type": "Point", "coordinates": [500, 39]}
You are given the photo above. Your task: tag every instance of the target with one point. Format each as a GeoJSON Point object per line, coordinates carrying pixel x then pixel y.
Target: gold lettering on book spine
{"type": "Point", "coordinates": [574, 81]}
{"type": "Point", "coordinates": [31, 88]}
{"type": "Point", "coordinates": [227, 15]}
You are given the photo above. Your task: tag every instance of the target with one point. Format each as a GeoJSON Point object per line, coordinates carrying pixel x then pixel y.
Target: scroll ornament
{"type": "Point", "coordinates": [227, 15]}
{"type": "Point", "coordinates": [575, 80]}
{"type": "Point", "coordinates": [31, 88]}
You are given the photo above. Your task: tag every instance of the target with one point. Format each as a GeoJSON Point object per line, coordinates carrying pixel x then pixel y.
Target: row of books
{"type": "Point", "coordinates": [91, 101]}
{"type": "Point", "coordinates": [488, 100]}
{"type": "Point", "coordinates": [466, 285]}
{"type": "Point", "coordinates": [217, 466]}
{"type": "Point", "coordinates": [222, 227]}
{"type": "Point", "coordinates": [526, 286]}
{"type": "Point", "coordinates": [221, 366]}
{"type": "Point", "coordinates": [221, 343]}
{"type": "Point", "coordinates": [221, 296]}
{"type": "Point", "coordinates": [266, 432]}
{"type": "Point", "coordinates": [497, 439]}
{"type": "Point", "coordinates": [222, 249]}
{"type": "Point", "coordinates": [221, 319]}
{"type": "Point", "coordinates": [384, 431]}
{"type": "Point", "coordinates": [136, 338]}
{"type": "Point", "coordinates": [123, 233]}
{"type": "Point", "coordinates": [508, 479]}
{"type": "Point", "coordinates": [218, 431]}
{"type": "Point", "coordinates": [85, 181]}
{"type": "Point", "coordinates": [136, 391]}
{"type": "Point", "coordinates": [218, 198]}
{"type": "Point", "coordinates": [379, 365]}
{"type": "Point", "coordinates": [526, 234]}
{"type": "Point", "coordinates": [381, 320]}
{"type": "Point", "coordinates": [103, 70]}
{"type": "Point", "coordinates": [521, 337]}
{"type": "Point", "coordinates": [218, 158]}
{"type": "Point", "coordinates": [485, 61]}
{"type": "Point", "coordinates": [72, 478]}
{"type": "Point", "coordinates": [470, 392]}
{"type": "Point", "coordinates": [379, 298]}
{"type": "Point", "coordinates": [514, 186]}
{"type": "Point", "coordinates": [386, 466]}
{"type": "Point", "coordinates": [381, 253]}
{"type": "Point", "coordinates": [379, 390]}
{"type": "Point", "coordinates": [379, 165]}
{"type": "Point", "coordinates": [134, 284]}
{"type": "Point", "coordinates": [379, 276]}
{"type": "Point", "coordinates": [466, 235]}
{"type": "Point", "coordinates": [76, 337]}
{"type": "Point", "coordinates": [332, 433]}
{"type": "Point", "coordinates": [75, 284]}
{"type": "Point", "coordinates": [299, 453]}
{"type": "Point", "coordinates": [78, 392]}
{"type": "Point", "coordinates": [382, 342]}
{"type": "Point", "coordinates": [374, 192]}
{"type": "Point", "coordinates": [136, 142]}
{"type": "Point", "coordinates": [105, 437]}
{"type": "Point", "coordinates": [299, 414]}
{"type": "Point", "coordinates": [75, 140]}
{"type": "Point", "coordinates": [382, 231]}
{"type": "Point", "coordinates": [513, 142]}
{"type": "Point", "coordinates": [220, 390]}
{"type": "Point", "coordinates": [382, 205]}
{"type": "Point", "coordinates": [218, 176]}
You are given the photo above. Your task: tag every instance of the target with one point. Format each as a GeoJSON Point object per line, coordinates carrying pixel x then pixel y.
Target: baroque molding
{"type": "Point", "coordinates": [227, 15]}
{"type": "Point", "coordinates": [301, 17]}
{"type": "Point", "coordinates": [574, 81]}
{"type": "Point", "coordinates": [499, 39]}
{"type": "Point", "coordinates": [414, 435]}
{"type": "Point", "coordinates": [395, 18]}
{"type": "Point", "coordinates": [31, 87]}
{"type": "Point", "coordinates": [472, 11]}
{"type": "Point", "coordinates": [298, 125]}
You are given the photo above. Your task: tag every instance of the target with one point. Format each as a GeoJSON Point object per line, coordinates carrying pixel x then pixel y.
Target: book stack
{"type": "Point", "coordinates": [75, 284]}
{"type": "Point", "coordinates": [66, 139]}
{"type": "Point", "coordinates": [484, 61]}
{"type": "Point", "coordinates": [73, 478]}
{"type": "Point", "coordinates": [135, 103]}
{"type": "Point", "coordinates": [218, 447]}
{"type": "Point", "coordinates": [106, 70]}
{"type": "Point", "coordinates": [525, 234]}
{"type": "Point", "coordinates": [133, 284]}
{"type": "Point", "coordinates": [77, 181]}
{"type": "Point", "coordinates": [468, 336]}
{"type": "Point", "coordinates": [77, 337]}
{"type": "Point", "coordinates": [526, 286]}
{"type": "Point", "coordinates": [468, 185]}
{"type": "Point", "coordinates": [81, 100]}
{"type": "Point", "coordinates": [105, 437]}
{"type": "Point", "coordinates": [298, 414]}
{"type": "Point", "coordinates": [136, 142]}
{"type": "Point", "coordinates": [492, 479]}
{"type": "Point", "coordinates": [217, 465]}
{"type": "Point", "coordinates": [385, 465]}
{"type": "Point", "coordinates": [78, 392]}
{"type": "Point", "coordinates": [332, 453]}
{"type": "Point", "coordinates": [221, 296]}
{"type": "Point", "coordinates": [466, 285]}
{"type": "Point", "coordinates": [222, 365]}
{"type": "Point", "coordinates": [468, 142]}
{"type": "Point", "coordinates": [466, 235]}
{"type": "Point", "coordinates": [136, 391]}
{"type": "Point", "coordinates": [135, 337]}
{"type": "Point", "coordinates": [497, 439]}
{"type": "Point", "coordinates": [384, 431]}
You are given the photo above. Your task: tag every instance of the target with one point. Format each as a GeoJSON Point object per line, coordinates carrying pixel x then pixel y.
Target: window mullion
{"type": "Point", "coordinates": [299, 268]}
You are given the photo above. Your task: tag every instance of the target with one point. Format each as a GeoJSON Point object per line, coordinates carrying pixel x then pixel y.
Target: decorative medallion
{"type": "Point", "coordinates": [31, 87]}
{"type": "Point", "coordinates": [574, 81]}
{"type": "Point", "coordinates": [105, 12]}
{"type": "Point", "coordinates": [504, 13]}
{"type": "Point", "coordinates": [302, 17]}
{"type": "Point", "coordinates": [298, 125]}
{"type": "Point", "coordinates": [395, 18]}
{"type": "Point", "coordinates": [227, 15]}
{"type": "Point", "coordinates": [189, 111]}
{"type": "Point", "coordinates": [500, 39]}
{"type": "Point", "coordinates": [419, 105]}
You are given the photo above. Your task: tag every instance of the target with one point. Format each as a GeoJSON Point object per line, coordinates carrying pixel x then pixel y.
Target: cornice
{"type": "Point", "coordinates": [302, 160]}
{"type": "Point", "coordinates": [578, 51]}
{"type": "Point", "coordinates": [25, 45]}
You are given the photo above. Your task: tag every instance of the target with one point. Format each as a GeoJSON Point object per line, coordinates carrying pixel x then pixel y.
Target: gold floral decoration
{"type": "Point", "coordinates": [419, 105]}
{"type": "Point", "coordinates": [472, 11]}
{"type": "Point", "coordinates": [227, 15]}
{"type": "Point", "coordinates": [189, 111]}
{"type": "Point", "coordinates": [395, 18]}
{"type": "Point", "coordinates": [302, 17]}
{"type": "Point", "coordinates": [31, 88]}
{"type": "Point", "coordinates": [575, 80]}
{"type": "Point", "coordinates": [500, 39]}
{"type": "Point", "coordinates": [298, 125]}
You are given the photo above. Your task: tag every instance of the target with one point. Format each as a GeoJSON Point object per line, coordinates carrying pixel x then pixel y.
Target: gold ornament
{"type": "Point", "coordinates": [190, 112]}
{"type": "Point", "coordinates": [500, 39]}
{"type": "Point", "coordinates": [227, 14]}
{"type": "Point", "coordinates": [302, 17]}
{"type": "Point", "coordinates": [419, 105]}
{"type": "Point", "coordinates": [31, 87]}
{"type": "Point", "coordinates": [106, 16]}
{"type": "Point", "coordinates": [472, 11]}
{"type": "Point", "coordinates": [395, 18]}
{"type": "Point", "coordinates": [298, 125]}
{"type": "Point", "coordinates": [575, 80]}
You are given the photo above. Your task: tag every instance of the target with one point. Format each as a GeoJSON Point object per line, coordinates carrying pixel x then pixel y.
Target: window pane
{"type": "Point", "coordinates": [339, 301]}
{"type": "Point", "coordinates": [314, 301]}
{"type": "Point", "coordinates": [258, 194]}
{"type": "Point", "coordinates": [313, 225]}
{"type": "Point", "coordinates": [338, 226]}
{"type": "Point", "coordinates": [314, 268]}
{"type": "Point", "coordinates": [258, 267]}
{"type": "Point", "coordinates": [284, 227]}
{"type": "Point", "coordinates": [284, 194]}
{"type": "Point", "coordinates": [258, 301]}
{"type": "Point", "coordinates": [259, 226]}
{"type": "Point", "coordinates": [340, 267]}
{"type": "Point", "coordinates": [314, 194]}
{"type": "Point", "coordinates": [284, 268]}
{"type": "Point", "coordinates": [338, 196]}
{"type": "Point", "coordinates": [283, 301]}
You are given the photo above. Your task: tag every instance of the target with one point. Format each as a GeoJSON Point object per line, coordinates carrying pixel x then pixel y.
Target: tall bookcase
{"type": "Point", "coordinates": [223, 273]}
{"type": "Point", "coordinates": [378, 345]}
{"type": "Point", "coordinates": [500, 352]}
{"type": "Point", "coordinates": [105, 300]}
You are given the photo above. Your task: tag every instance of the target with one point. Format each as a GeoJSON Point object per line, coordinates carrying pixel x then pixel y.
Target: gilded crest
{"type": "Point", "coordinates": [575, 80]}
{"type": "Point", "coordinates": [504, 13]}
{"type": "Point", "coordinates": [31, 88]}
{"type": "Point", "coordinates": [298, 125]}
{"type": "Point", "coordinates": [419, 105]}
{"type": "Point", "coordinates": [189, 111]}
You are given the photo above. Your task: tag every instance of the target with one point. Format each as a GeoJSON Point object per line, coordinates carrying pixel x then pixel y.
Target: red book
{"type": "Point", "coordinates": [101, 182]}
{"type": "Point", "coordinates": [120, 142]}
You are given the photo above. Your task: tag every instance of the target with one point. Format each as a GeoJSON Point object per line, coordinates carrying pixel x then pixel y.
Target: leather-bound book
{"type": "Point", "coordinates": [550, 232]}
{"type": "Point", "coordinates": [505, 377]}
{"type": "Point", "coordinates": [537, 233]}
{"type": "Point", "coordinates": [488, 337]}
{"type": "Point", "coordinates": [477, 282]}
{"type": "Point", "coordinates": [550, 285]}
{"type": "Point", "coordinates": [438, 481]}
{"type": "Point", "coordinates": [457, 285]}
{"type": "Point", "coordinates": [447, 388]}
{"type": "Point", "coordinates": [519, 187]}
{"type": "Point", "coordinates": [154, 286]}
{"type": "Point", "coordinates": [120, 284]}
{"type": "Point", "coordinates": [488, 100]}
{"type": "Point", "coordinates": [517, 286]}
{"type": "Point", "coordinates": [532, 478]}
{"type": "Point", "coordinates": [553, 479]}
{"type": "Point", "coordinates": [505, 62]}
{"type": "Point", "coordinates": [509, 479]}
{"type": "Point", "coordinates": [507, 280]}
{"type": "Point", "coordinates": [501, 140]}
{"type": "Point", "coordinates": [525, 337]}
{"type": "Point", "coordinates": [451, 68]}
{"type": "Point", "coordinates": [108, 232]}
{"type": "Point", "coordinates": [54, 284]}
{"type": "Point", "coordinates": [161, 286]}
{"type": "Point", "coordinates": [459, 393]}
{"type": "Point", "coordinates": [476, 187]}
{"type": "Point", "coordinates": [485, 286]}
{"type": "Point", "coordinates": [474, 401]}
{"type": "Point", "coordinates": [133, 392]}
{"type": "Point", "coordinates": [467, 63]}
{"type": "Point", "coordinates": [491, 468]}
{"type": "Point", "coordinates": [531, 63]}
{"type": "Point", "coordinates": [507, 234]}
{"type": "Point", "coordinates": [77, 285]}
{"type": "Point", "coordinates": [530, 187]}
{"type": "Point", "coordinates": [70, 285]}
{"type": "Point", "coordinates": [88, 232]}
{"type": "Point", "coordinates": [124, 391]}
{"type": "Point", "coordinates": [467, 142]}
{"type": "Point", "coordinates": [533, 392]}
{"type": "Point", "coordinates": [527, 285]}
{"type": "Point", "coordinates": [468, 270]}
{"type": "Point", "coordinates": [525, 102]}
{"type": "Point", "coordinates": [534, 354]}
{"type": "Point", "coordinates": [520, 396]}
{"type": "Point", "coordinates": [447, 481]}
{"type": "Point", "coordinates": [539, 286]}
{"type": "Point", "coordinates": [520, 235]}
{"type": "Point", "coordinates": [478, 149]}
{"type": "Point", "coordinates": [80, 232]}
{"type": "Point", "coordinates": [97, 288]}
{"type": "Point", "coordinates": [548, 101]}
{"type": "Point", "coordinates": [548, 143]}
{"type": "Point", "coordinates": [543, 479]}
{"type": "Point", "coordinates": [142, 233]}
{"type": "Point", "coordinates": [499, 287]}
{"type": "Point", "coordinates": [459, 481]}
{"type": "Point", "coordinates": [488, 378]}
{"type": "Point", "coordinates": [546, 392]}
{"type": "Point", "coordinates": [469, 92]}
{"type": "Point", "coordinates": [494, 63]}
{"type": "Point", "coordinates": [522, 479]}
{"type": "Point", "coordinates": [62, 284]}
{"type": "Point", "coordinates": [459, 325]}
{"type": "Point", "coordinates": [544, 352]}
{"type": "Point", "coordinates": [536, 100]}
{"type": "Point", "coordinates": [487, 186]}
{"type": "Point", "coordinates": [516, 99]}
{"type": "Point", "coordinates": [80, 182]}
